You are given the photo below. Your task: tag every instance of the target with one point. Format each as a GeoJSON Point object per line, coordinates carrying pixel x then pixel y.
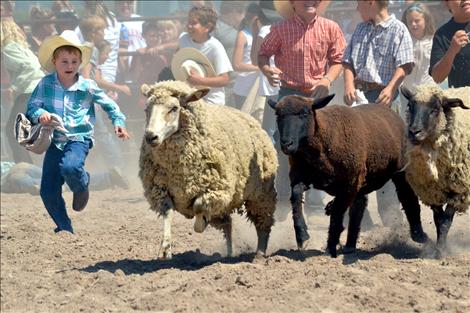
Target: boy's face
{"type": "Point", "coordinates": [97, 35]}
{"type": "Point", "coordinates": [365, 9]}
{"type": "Point", "coordinates": [67, 63]}
{"type": "Point", "coordinates": [104, 54]}
{"type": "Point", "coordinates": [460, 9]}
{"type": "Point", "coordinates": [124, 8]}
{"type": "Point", "coordinates": [151, 38]}
{"type": "Point", "coordinates": [197, 32]}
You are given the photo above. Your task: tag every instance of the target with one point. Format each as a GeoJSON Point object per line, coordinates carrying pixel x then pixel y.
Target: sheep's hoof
{"type": "Point", "coordinates": [419, 236]}
{"type": "Point", "coordinates": [332, 251]}
{"type": "Point", "coordinates": [303, 245]}
{"type": "Point", "coordinates": [348, 250]}
{"type": "Point", "coordinates": [259, 257]}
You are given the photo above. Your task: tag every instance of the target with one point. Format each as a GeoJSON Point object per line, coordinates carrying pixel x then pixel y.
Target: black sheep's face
{"type": "Point", "coordinates": [422, 120]}
{"type": "Point", "coordinates": [294, 114]}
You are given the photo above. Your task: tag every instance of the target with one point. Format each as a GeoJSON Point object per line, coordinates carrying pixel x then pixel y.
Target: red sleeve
{"type": "Point", "coordinates": [271, 43]}
{"type": "Point", "coordinates": [337, 45]}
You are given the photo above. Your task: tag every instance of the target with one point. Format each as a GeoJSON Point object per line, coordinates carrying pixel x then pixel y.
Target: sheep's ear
{"type": "Point", "coordinates": [453, 102]}
{"type": "Point", "coordinates": [196, 95]}
{"type": "Point", "coordinates": [272, 104]}
{"type": "Point", "coordinates": [145, 89]}
{"type": "Point", "coordinates": [322, 102]}
{"type": "Point", "coordinates": [406, 92]}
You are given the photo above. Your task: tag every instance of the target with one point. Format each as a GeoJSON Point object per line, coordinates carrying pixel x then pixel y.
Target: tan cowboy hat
{"type": "Point", "coordinates": [67, 38]}
{"type": "Point", "coordinates": [285, 9]}
{"type": "Point", "coordinates": [190, 58]}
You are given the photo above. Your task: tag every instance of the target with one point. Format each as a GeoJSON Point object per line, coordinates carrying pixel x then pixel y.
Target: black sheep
{"type": "Point", "coordinates": [347, 152]}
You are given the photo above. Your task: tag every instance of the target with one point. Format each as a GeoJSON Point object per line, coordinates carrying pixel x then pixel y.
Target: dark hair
{"type": "Point", "coordinates": [206, 16]}
{"type": "Point", "coordinates": [71, 21]}
{"type": "Point", "coordinates": [38, 16]}
{"type": "Point", "coordinates": [429, 27]}
{"type": "Point", "coordinates": [149, 26]}
{"type": "Point", "coordinates": [69, 49]}
{"type": "Point", "coordinates": [254, 10]}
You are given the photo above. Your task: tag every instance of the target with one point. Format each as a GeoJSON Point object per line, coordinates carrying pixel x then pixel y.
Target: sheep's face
{"type": "Point", "coordinates": [162, 119]}
{"type": "Point", "coordinates": [163, 112]}
{"type": "Point", "coordinates": [293, 114]}
{"type": "Point", "coordinates": [424, 112]}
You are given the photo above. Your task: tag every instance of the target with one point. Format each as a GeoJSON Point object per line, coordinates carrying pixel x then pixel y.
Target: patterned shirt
{"type": "Point", "coordinates": [303, 51]}
{"type": "Point", "coordinates": [75, 105]}
{"type": "Point", "coordinates": [375, 52]}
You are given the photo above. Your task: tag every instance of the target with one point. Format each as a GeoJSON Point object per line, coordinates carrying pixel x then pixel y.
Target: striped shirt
{"type": "Point", "coordinates": [303, 51]}
{"type": "Point", "coordinates": [75, 105]}
{"type": "Point", "coordinates": [375, 52]}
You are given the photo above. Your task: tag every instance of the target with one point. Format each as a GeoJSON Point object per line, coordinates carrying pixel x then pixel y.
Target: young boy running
{"type": "Point", "coordinates": [66, 93]}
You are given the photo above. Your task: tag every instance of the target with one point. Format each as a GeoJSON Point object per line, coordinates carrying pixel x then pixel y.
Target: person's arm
{"type": "Point", "coordinates": [171, 45]}
{"type": "Point", "coordinates": [322, 88]}
{"type": "Point", "coordinates": [237, 58]}
{"type": "Point", "coordinates": [112, 110]}
{"type": "Point", "coordinates": [442, 68]}
{"type": "Point", "coordinates": [386, 95]}
{"type": "Point", "coordinates": [217, 81]}
{"type": "Point", "coordinates": [104, 84]}
{"type": "Point", "coordinates": [86, 71]}
{"type": "Point", "coordinates": [349, 88]}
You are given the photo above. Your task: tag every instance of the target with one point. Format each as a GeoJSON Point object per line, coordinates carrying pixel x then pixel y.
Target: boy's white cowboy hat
{"type": "Point", "coordinates": [285, 9]}
{"type": "Point", "coordinates": [67, 38]}
{"type": "Point", "coordinates": [190, 58]}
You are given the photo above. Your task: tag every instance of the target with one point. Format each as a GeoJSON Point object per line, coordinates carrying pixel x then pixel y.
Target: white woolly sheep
{"type": "Point", "coordinates": [439, 152]}
{"type": "Point", "coordinates": [205, 161]}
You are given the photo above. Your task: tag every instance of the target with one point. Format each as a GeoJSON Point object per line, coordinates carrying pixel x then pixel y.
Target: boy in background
{"type": "Point", "coordinates": [201, 22]}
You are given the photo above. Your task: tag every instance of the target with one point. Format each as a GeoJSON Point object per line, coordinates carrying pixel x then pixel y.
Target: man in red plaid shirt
{"type": "Point", "coordinates": [308, 50]}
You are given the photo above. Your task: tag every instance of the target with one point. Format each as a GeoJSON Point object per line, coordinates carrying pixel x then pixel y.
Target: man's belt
{"type": "Point", "coordinates": [301, 89]}
{"type": "Point", "coordinates": [366, 86]}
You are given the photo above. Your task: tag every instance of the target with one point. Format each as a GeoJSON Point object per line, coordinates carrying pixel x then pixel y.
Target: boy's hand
{"type": "Point", "coordinates": [121, 132]}
{"type": "Point", "coordinates": [45, 118]}
{"type": "Point", "coordinates": [349, 94]}
{"type": "Point", "coordinates": [459, 40]}
{"type": "Point", "coordinates": [321, 89]}
{"type": "Point", "coordinates": [272, 74]}
{"type": "Point", "coordinates": [194, 78]}
{"type": "Point", "coordinates": [385, 97]}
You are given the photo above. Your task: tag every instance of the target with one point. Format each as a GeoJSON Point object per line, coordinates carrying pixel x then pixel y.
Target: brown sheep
{"type": "Point", "coordinates": [347, 152]}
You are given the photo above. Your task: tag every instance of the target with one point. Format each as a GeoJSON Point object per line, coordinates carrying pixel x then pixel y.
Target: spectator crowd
{"type": "Point", "coordinates": [257, 50]}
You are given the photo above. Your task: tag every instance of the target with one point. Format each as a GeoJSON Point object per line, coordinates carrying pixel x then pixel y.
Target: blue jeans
{"type": "Point", "coordinates": [59, 167]}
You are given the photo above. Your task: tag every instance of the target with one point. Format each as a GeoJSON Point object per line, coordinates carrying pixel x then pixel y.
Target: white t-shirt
{"type": "Point", "coordinates": [215, 52]}
{"type": "Point", "coordinates": [245, 80]}
{"type": "Point", "coordinates": [265, 89]}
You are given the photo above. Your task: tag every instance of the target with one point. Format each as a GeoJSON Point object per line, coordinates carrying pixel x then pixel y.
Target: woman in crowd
{"type": "Point", "coordinates": [25, 72]}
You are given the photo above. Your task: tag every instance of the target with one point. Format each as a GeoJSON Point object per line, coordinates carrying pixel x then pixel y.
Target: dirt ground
{"type": "Point", "coordinates": [111, 265]}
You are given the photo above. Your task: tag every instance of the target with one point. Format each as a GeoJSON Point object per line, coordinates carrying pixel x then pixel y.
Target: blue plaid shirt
{"type": "Point", "coordinates": [76, 106]}
{"type": "Point", "coordinates": [375, 52]}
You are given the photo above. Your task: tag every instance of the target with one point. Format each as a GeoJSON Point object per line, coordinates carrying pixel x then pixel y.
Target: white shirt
{"type": "Point", "coordinates": [245, 80]}
{"type": "Point", "coordinates": [215, 52]}
{"type": "Point", "coordinates": [422, 54]}
{"type": "Point", "coordinates": [265, 88]}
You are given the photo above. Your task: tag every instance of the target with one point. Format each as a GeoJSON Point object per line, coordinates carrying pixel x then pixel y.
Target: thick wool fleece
{"type": "Point", "coordinates": [439, 169]}
{"type": "Point", "coordinates": [219, 154]}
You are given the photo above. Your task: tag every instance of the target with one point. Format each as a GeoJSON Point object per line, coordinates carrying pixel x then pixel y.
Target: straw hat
{"type": "Point", "coordinates": [190, 58]}
{"type": "Point", "coordinates": [67, 38]}
{"type": "Point", "coordinates": [285, 9]}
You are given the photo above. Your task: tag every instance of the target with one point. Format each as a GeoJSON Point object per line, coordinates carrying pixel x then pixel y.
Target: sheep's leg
{"type": "Point", "coordinates": [300, 227]}
{"type": "Point", "coordinates": [356, 212]}
{"type": "Point", "coordinates": [410, 204]}
{"type": "Point", "coordinates": [443, 221]}
{"type": "Point", "coordinates": [263, 219]}
{"type": "Point", "coordinates": [338, 208]}
{"type": "Point", "coordinates": [225, 224]}
{"type": "Point", "coordinates": [165, 247]}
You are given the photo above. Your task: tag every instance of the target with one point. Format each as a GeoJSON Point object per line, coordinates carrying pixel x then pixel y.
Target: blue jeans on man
{"type": "Point", "coordinates": [59, 167]}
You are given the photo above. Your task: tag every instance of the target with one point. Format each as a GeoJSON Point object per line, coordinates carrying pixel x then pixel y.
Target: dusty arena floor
{"type": "Point", "coordinates": [110, 265]}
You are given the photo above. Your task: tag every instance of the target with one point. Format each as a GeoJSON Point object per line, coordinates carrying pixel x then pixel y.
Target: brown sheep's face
{"type": "Point", "coordinates": [163, 113]}
{"type": "Point", "coordinates": [423, 116]}
{"type": "Point", "coordinates": [293, 115]}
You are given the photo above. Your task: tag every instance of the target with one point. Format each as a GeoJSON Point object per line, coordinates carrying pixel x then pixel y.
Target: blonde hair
{"type": "Point", "coordinates": [90, 24]}
{"type": "Point", "coordinates": [11, 32]}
